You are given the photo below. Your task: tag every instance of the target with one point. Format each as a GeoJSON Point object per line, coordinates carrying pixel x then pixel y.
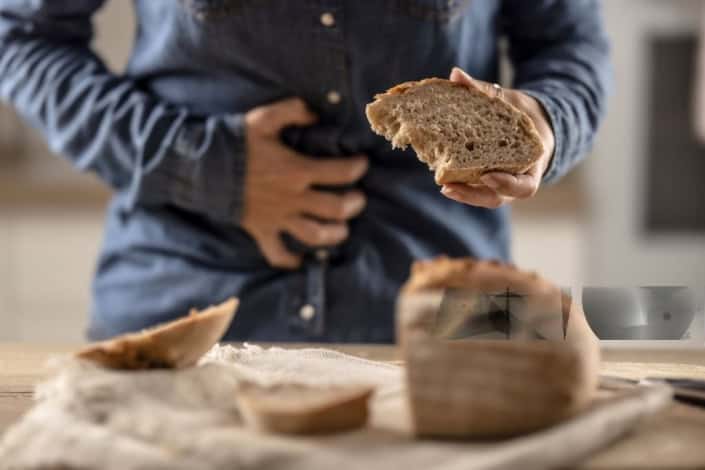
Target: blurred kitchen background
{"type": "Point", "coordinates": [632, 214]}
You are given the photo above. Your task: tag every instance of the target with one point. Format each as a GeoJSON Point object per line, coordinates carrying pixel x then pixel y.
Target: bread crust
{"type": "Point", "coordinates": [484, 275]}
{"type": "Point", "coordinates": [402, 88]}
{"type": "Point", "coordinates": [176, 344]}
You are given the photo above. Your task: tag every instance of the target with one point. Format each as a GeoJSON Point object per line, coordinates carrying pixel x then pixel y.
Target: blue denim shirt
{"type": "Point", "coordinates": [168, 137]}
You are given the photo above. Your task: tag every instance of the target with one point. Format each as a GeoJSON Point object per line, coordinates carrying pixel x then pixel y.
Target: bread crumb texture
{"type": "Point", "coordinates": [459, 131]}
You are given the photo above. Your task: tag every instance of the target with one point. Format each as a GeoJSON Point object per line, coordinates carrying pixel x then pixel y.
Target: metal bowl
{"type": "Point", "coordinates": [641, 313]}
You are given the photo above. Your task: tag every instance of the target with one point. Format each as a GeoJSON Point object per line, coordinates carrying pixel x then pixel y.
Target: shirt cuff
{"type": "Point", "coordinates": [203, 170]}
{"type": "Point", "coordinates": [553, 111]}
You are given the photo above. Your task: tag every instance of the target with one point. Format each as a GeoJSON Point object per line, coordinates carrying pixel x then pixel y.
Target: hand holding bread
{"type": "Point", "coordinates": [487, 146]}
{"type": "Point", "coordinates": [499, 188]}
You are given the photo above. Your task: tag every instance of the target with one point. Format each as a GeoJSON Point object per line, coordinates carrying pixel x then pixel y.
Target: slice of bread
{"type": "Point", "coordinates": [303, 409]}
{"type": "Point", "coordinates": [177, 344]}
{"type": "Point", "coordinates": [489, 388]}
{"type": "Point", "coordinates": [459, 131]}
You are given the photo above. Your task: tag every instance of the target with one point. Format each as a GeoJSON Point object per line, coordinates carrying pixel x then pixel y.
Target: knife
{"type": "Point", "coordinates": [687, 391]}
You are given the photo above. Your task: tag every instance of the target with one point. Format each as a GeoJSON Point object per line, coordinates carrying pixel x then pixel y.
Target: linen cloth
{"type": "Point", "coordinates": [88, 417]}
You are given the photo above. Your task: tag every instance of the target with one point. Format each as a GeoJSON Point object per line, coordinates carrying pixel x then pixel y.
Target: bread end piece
{"type": "Point", "coordinates": [177, 344]}
{"type": "Point", "coordinates": [459, 131]}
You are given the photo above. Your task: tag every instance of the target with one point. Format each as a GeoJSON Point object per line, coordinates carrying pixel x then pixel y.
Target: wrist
{"type": "Point", "coordinates": [546, 115]}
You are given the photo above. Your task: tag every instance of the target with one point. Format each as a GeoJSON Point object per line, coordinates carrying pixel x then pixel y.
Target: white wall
{"type": "Point", "coordinates": [115, 29]}
{"type": "Point", "coordinates": [7, 317]}
{"type": "Point", "coordinates": [552, 246]}
{"type": "Point", "coordinates": [46, 274]}
{"type": "Point", "coordinates": [47, 254]}
{"type": "Point", "coordinates": [618, 252]}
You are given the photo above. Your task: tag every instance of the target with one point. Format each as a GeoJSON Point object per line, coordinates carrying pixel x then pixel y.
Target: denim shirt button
{"type": "Point", "coordinates": [334, 97]}
{"type": "Point", "coordinates": [328, 20]}
{"type": "Point", "coordinates": [307, 312]}
{"type": "Point", "coordinates": [322, 254]}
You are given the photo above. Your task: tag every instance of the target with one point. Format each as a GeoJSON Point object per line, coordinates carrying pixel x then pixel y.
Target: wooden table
{"type": "Point", "coordinates": [674, 439]}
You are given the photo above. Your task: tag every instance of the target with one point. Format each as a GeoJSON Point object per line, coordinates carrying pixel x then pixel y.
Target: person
{"type": "Point", "coordinates": [242, 163]}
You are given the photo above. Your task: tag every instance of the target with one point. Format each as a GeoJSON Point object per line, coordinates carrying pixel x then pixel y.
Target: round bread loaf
{"type": "Point", "coordinates": [493, 388]}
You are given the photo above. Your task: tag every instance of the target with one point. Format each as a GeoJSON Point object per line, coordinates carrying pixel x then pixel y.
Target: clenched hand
{"type": "Point", "coordinates": [279, 195]}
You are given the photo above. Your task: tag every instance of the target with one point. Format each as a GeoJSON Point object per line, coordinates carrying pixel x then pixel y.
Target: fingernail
{"type": "Point", "coordinates": [463, 73]}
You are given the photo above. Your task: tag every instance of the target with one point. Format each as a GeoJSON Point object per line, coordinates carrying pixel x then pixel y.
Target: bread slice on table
{"type": "Point", "coordinates": [303, 409]}
{"type": "Point", "coordinates": [458, 130]}
{"type": "Point", "coordinates": [490, 388]}
{"type": "Point", "coordinates": [177, 344]}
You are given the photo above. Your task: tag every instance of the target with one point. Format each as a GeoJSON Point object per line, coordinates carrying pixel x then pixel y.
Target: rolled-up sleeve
{"type": "Point", "coordinates": [155, 152]}
{"type": "Point", "coordinates": [560, 54]}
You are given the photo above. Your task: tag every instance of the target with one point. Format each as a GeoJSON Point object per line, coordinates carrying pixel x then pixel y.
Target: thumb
{"type": "Point", "coordinates": [458, 75]}
{"type": "Point", "coordinates": [270, 119]}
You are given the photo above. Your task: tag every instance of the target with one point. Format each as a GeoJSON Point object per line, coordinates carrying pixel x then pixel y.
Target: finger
{"type": "Point", "coordinates": [475, 196]}
{"type": "Point", "coordinates": [337, 171]}
{"type": "Point", "coordinates": [329, 206]}
{"type": "Point", "coordinates": [315, 233]}
{"type": "Point", "coordinates": [458, 75]}
{"type": "Point", "coordinates": [277, 254]}
{"type": "Point", "coordinates": [517, 186]}
{"type": "Point", "coordinates": [269, 120]}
